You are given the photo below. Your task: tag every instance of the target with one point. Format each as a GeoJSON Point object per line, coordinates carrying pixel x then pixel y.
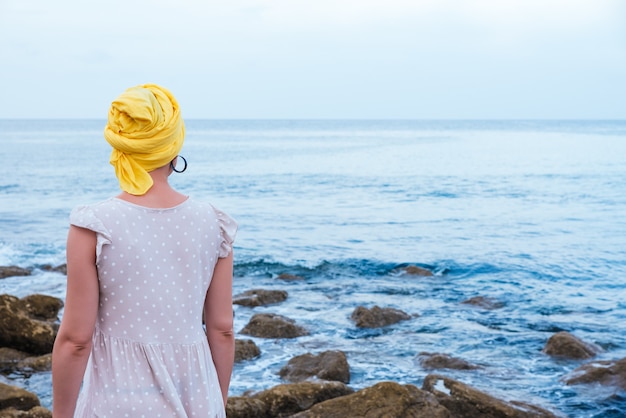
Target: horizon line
{"type": "Point", "coordinates": [567, 119]}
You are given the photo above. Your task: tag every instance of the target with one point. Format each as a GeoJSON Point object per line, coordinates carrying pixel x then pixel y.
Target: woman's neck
{"type": "Point", "coordinates": [160, 195]}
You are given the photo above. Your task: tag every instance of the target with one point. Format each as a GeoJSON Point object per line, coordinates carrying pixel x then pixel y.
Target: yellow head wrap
{"type": "Point", "coordinates": [146, 132]}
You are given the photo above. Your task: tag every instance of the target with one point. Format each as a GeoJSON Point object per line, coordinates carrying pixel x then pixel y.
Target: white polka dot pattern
{"type": "Point", "coordinates": [150, 355]}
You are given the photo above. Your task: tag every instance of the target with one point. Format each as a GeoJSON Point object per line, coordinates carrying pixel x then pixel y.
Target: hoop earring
{"type": "Point", "coordinates": [173, 167]}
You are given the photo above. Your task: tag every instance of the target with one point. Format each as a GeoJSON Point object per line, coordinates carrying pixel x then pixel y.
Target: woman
{"type": "Point", "coordinates": [143, 268]}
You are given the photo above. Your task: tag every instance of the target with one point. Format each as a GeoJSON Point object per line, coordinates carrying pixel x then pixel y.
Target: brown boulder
{"type": "Point", "coordinates": [328, 365]}
{"type": "Point", "coordinates": [245, 407]}
{"type": "Point", "coordinates": [42, 307]}
{"type": "Point", "coordinates": [417, 271]}
{"type": "Point", "coordinates": [35, 364]}
{"type": "Point", "coordinates": [285, 400]}
{"type": "Point", "coordinates": [245, 350]}
{"type": "Point", "coordinates": [564, 344]}
{"type": "Point", "coordinates": [383, 400]}
{"type": "Point", "coordinates": [12, 360]}
{"type": "Point", "coordinates": [464, 401]}
{"type": "Point", "coordinates": [266, 325]}
{"type": "Point", "coordinates": [12, 271]}
{"type": "Point", "coordinates": [36, 412]}
{"type": "Point", "coordinates": [288, 399]}
{"type": "Point", "coordinates": [19, 330]}
{"type": "Point", "coordinates": [59, 269]}
{"type": "Point", "coordinates": [259, 297]}
{"type": "Point", "coordinates": [607, 373]}
{"type": "Point", "coordinates": [377, 317]}
{"type": "Point", "coordinates": [444, 361]}
{"type": "Point", "coordinates": [13, 397]}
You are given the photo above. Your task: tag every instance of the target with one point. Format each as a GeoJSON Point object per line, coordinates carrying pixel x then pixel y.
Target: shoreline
{"type": "Point", "coordinates": [264, 300]}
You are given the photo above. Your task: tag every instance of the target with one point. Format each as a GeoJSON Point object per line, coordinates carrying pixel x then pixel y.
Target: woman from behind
{"type": "Point", "coordinates": [143, 269]}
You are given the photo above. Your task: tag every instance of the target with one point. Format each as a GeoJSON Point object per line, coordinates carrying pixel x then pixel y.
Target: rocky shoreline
{"type": "Point", "coordinates": [316, 384]}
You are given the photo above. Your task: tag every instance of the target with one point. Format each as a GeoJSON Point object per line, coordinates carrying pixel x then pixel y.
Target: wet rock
{"type": "Point", "coordinates": [245, 350]}
{"type": "Point", "coordinates": [285, 400]}
{"type": "Point", "coordinates": [19, 330]}
{"type": "Point", "coordinates": [484, 302]}
{"type": "Point", "coordinates": [564, 344]}
{"type": "Point", "coordinates": [36, 412]}
{"type": "Point", "coordinates": [417, 271]}
{"type": "Point", "coordinates": [377, 316]}
{"type": "Point", "coordinates": [607, 373]}
{"type": "Point", "coordinates": [444, 361]}
{"type": "Point", "coordinates": [289, 277]}
{"type": "Point", "coordinates": [464, 401]}
{"type": "Point", "coordinates": [12, 360]}
{"type": "Point", "coordinates": [35, 364]}
{"type": "Point", "coordinates": [266, 325]}
{"type": "Point", "coordinates": [328, 365]}
{"type": "Point", "coordinates": [245, 407]}
{"type": "Point", "coordinates": [42, 307]}
{"type": "Point", "coordinates": [383, 400]}
{"type": "Point", "coordinates": [259, 297]}
{"type": "Point", "coordinates": [17, 402]}
{"type": "Point", "coordinates": [12, 271]}
{"type": "Point", "coordinates": [59, 269]}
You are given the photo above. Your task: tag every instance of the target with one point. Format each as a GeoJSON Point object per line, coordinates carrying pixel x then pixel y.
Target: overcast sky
{"type": "Point", "coordinates": [416, 59]}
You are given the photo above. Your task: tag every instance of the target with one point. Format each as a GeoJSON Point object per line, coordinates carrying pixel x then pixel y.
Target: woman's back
{"type": "Point", "coordinates": [154, 269]}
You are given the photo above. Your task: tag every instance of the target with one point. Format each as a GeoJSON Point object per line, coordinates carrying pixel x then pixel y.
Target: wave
{"type": "Point", "coordinates": [12, 187]}
{"type": "Point", "coordinates": [262, 267]}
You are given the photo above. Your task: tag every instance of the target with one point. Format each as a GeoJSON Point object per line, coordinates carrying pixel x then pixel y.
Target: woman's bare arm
{"type": "Point", "coordinates": [73, 342]}
{"type": "Point", "coordinates": [218, 317]}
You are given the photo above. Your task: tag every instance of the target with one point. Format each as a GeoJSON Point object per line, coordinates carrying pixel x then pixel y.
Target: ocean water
{"type": "Point", "coordinates": [529, 213]}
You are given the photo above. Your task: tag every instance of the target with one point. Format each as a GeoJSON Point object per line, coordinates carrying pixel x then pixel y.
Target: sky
{"type": "Point", "coordinates": [318, 59]}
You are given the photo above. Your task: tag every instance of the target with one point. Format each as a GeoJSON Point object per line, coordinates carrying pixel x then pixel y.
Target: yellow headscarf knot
{"type": "Point", "coordinates": [146, 132]}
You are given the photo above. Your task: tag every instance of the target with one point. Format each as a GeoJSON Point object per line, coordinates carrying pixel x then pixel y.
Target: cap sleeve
{"type": "Point", "coordinates": [228, 230]}
{"type": "Point", "coordinates": [84, 217]}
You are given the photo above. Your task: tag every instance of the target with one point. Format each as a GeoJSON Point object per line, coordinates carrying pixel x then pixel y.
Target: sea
{"type": "Point", "coordinates": [528, 213]}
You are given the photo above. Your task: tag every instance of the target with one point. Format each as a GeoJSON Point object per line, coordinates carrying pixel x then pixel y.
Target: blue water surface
{"type": "Point", "coordinates": [529, 213]}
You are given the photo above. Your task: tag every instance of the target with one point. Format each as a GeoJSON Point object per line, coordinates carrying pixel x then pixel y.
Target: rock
{"type": "Point", "coordinates": [484, 302]}
{"type": "Point", "coordinates": [259, 297]}
{"type": "Point", "coordinates": [42, 306]}
{"type": "Point", "coordinates": [246, 350]}
{"type": "Point", "coordinates": [417, 271]}
{"type": "Point", "coordinates": [18, 399]}
{"type": "Point", "coordinates": [12, 271]}
{"type": "Point", "coordinates": [289, 277]}
{"type": "Point", "coordinates": [328, 365]}
{"type": "Point", "coordinates": [377, 317]}
{"type": "Point", "coordinates": [444, 361]}
{"type": "Point", "coordinates": [36, 412]}
{"type": "Point", "coordinates": [464, 401]}
{"type": "Point", "coordinates": [266, 325]}
{"type": "Point", "coordinates": [35, 364]}
{"type": "Point", "coordinates": [383, 400]}
{"type": "Point", "coordinates": [285, 400]}
{"type": "Point", "coordinates": [245, 407]}
{"type": "Point", "coordinates": [20, 331]}
{"type": "Point", "coordinates": [564, 344]}
{"type": "Point", "coordinates": [12, 360]}
{"type": "Point", "coordinates": [59, 269]}
{"type": "Point", "coordinates": [607, 373]}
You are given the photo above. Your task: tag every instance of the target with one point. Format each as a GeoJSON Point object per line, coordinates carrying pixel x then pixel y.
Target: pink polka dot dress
{"type": "Point", "coordinates": [150, 356]}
